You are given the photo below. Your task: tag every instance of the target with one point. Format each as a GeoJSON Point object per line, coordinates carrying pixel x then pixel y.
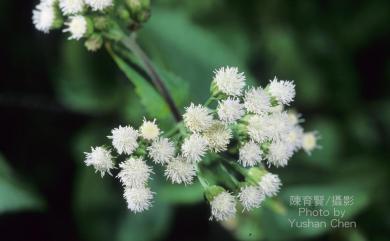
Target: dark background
{"type": "Point", "coordinates": [57, 99]}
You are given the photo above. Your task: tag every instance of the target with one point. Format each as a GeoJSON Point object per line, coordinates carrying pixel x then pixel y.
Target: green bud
{"type": "Point", "coordinates": [212, 191]}
{"type": "Point", "coordinates": [123, 13]}
{"type": "Point", "coordinates": [143, 16]}
{"type": "Point", "coordinates": [101, 23]}
{"type": "Point", "coordinates": [94, 42]}
{"type": "Point", "coordinates": [255, 174]}
{"type": "Point", "coordinates": [134, 5]}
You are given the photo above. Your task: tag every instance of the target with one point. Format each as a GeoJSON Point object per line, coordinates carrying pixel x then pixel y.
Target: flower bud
{"type": "Point", "coordinates": [101, 23]}
{"type": "Point", "coordinates": [94, 42]}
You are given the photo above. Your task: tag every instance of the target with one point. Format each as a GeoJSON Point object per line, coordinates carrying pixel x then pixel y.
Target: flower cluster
{"type": "Point", "coordinates": [92, 20]}
{"type": "Point", "coordinates": [239, 132]}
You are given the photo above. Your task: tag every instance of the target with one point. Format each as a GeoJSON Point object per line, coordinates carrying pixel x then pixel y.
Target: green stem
{"type": "Point", "coordinates": [203, 181]}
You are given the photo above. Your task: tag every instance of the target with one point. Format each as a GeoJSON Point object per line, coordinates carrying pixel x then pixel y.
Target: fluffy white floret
{"type": "Point", "coordinates": [270, 184]}
{"type": "Point", "coordinates": [250, 154]}
{"type": "Point", "coordinates": [161, 150]}
{"type": "Point", "coordinates": [71, 6]}
{"type": "Point", "coordinates": [124, 139]}
{"type": "Point", "coordinates": [134, 172]}
{"type": "Point", "coordinates": [77, 27]}
{"type": "Point", "coordinates": [194, 148]}
{"type": "Point", "coordinates": [294, 137]}
{"type": "Point", "coordinates": [258, 128]}
{"type": "Point", "coordinates": [149, 130]}
{"type": "Point", "coordinates": [98, 5]}
{"type": "Point", "coordinates": [180, 171]}
{"type": "Point", "coordinates": [251, 197]}
{"type": "Point", "coordinates": [223, 206]}
{"type": "Point", "coordinates": [197, 118]}
{"type": "Point", "coordinates": [218, 136]}
{"type": "Point", "coordinates": [229, 81]}
{"type": "Point", "coordinates": [309, 141]}
{"type": "Point", "coordinates": [257, 101]}
{"type": "Point", "coordinates": [230, 110]}
{"type": "Point", "coordinates": [100, 158]}
{"type": "Point", "coordinates": [44, 16]}
{"type": "Point", "coordinates": [138, 199]}
{"type": "Point", "coordinates": [283, 90]}
{"type": "Point", "coordinates": [279, 153]}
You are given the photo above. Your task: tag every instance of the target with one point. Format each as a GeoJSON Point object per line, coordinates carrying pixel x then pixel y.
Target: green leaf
{"type": "Point", "coordinates": [15, 195]}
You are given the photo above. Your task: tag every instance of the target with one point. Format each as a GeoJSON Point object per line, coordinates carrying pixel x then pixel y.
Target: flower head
{"type": "Point", "coordinates": [194, 148]}
{"type": "Point", "coordinates": [229, 81]}
{"type": "Point", "coordinates": [101, 159]}
{"type": "Point", "coordinates": [250, 154]}
{"type": "Point", "coordinates": [258, 129]}
{"type": "Point", "coordinates": [134, 172]}
{"type": "Point", "coordinates": [44, 16]}
{"type": "Point", "coordinates": [71, 6]}
{"type": "Point", "coordinates": [309, 141]}
{"type": "Point", "coordinates": [294, 137]}
{"type": "Point", "coordinates": [218, 136]}
{"type": "Point", "coordinates": [124, 139]}
{"type": "Point", "coordinates": [251, 197]}
{"type": "Point", "coordinates": [283, 90]}
{"type": "Point", "coordinates": [98, 5]}
{"type": "Point", "coordinates": [149, 130]}
{"type": "Point", "coordinates": [77, 27]}
{"type": "Point", "coordinates": [230, 110]}
{"type": "Point", "coordinates": [138, 199]}
{"type": "Point", "coordinates": [279, 153]}
{"type": "Point", "coordinates": [180, 171]}
{"type": "Point", "coordinates": [197, 118]}
{"type": "Point", "coordinates": [161, 150]}
{"type": "Point", "coordinates": [269, 127]}
{"type": "Point", "coordinates": [270, 184]}
{"type": "Point", "coordinates": [294, 118]}
{"type": "Point", "coordinates": [223, 206]}
{"type": "Point", "coordinates": [257, 101]}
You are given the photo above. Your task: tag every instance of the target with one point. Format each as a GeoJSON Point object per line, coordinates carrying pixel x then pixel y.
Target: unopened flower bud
{"type": "Point", "coordinates": [94, 42]}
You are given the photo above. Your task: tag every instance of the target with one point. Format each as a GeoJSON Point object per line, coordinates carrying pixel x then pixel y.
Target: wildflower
{"type": "Point", "coordinates": [44, 16]}
{"type": "Point", "coordinates": [101, 159]}
{"type": "Point", "coordinates": [69, 7]}
{"type": "Point", "coordinates": [138, 199]}
{"type": "Point", "coordinates": [279, 153]}
{"type": "Point", "coordinates": [270, 184]}
{"type": "Point", "coordinates": [258, 129]}
{"type": "Point", "coordinates": [278, 126]}
{"type": "Point", "coordinates": [229, 81]}
{"type": "Point", "coordinates": [99, 5]}
{"type": "Point", "coordinates": [161, 150]}
{"type": "Point", "coordinates": [294, 118]}
{"type": "Point", "coordinates": [309, 142]}
{"type": "Point", "coordinates": [223, 206]}
{"type": "Point", "coordinates": [194, 148]}
{"type": "Point", "coordinates": [124, 139]}
{"type": "Point", "coordinates": [197, 118]}
{"type": "Point", "coordinates": [250, 154]}
{"type": "Point", "coordinates": [149, 130]}
{"type": "Point", "coordinates": [251, 197]}
{"type": "Point", "coordinates": [294, 137]}
{"type": "Point", "coordinates": [218, 136]}
{"type": "Point", "coordinates": [257, 101]}
{"type": "Point", "coordinates": [134, 172]}
{"type": "Point", "coordinates": [283, 90]}
{"type": "Point", "coordinates": [77, 26]}
{"type": "Point", "coordinates": [230, 110]}
{"type": "Point", "coordinates": [179, 171]}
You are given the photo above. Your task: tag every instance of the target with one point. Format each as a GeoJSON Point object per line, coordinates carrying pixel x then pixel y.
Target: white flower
{"type": "Point", "coordinates": [258, 128]}
{"type": "Point", "coordinates": [279, 153]}
{"type": "Point", "coordinates": [218, 136]}
{"type": "Point", "coordinates": [251, 197]}
{"type": "Point", "coordinates": [44, 16]}
{"type": "Point", "coordinates": [283, 91]}
{"type": "Point", "coordinates": [161, 150]}
{"type": "Point", "coordinates": [197, 118]}
{"type": "Point", "coordinates": [229, 81]}
{"type": "Point", "coordinates": [250, 154]}
{"type": "Point", "coordinates": [194, 148]}
{"type": "Point", "coordinates": [269, 127]}
{"type": "Point", "coordinates": [149, 130]}
{"type": "Point", "coordinates": [124, 139]}
{"type": "Point", "coordinates": [138, 199]}
{"type": "Point", "coordinates": [77, 27]}
{"type": "Point", "coordinates": [309, 141]}
{"type": "Point", "coordinates": [101, 159]}
{"type": "Point", "coordinates": [71, 6]}
{"type": "Point", "coordinates": [179, 171]}
{"type": "Point", "coordinates": [295, 137]}
{"type": "Point", "coordinates": [270, 184]}
{"type": "Point", "coordinates": [223, 206]}
{"type": "Point", "coordinates": [230, 110]}
{"type": "Point", "coordinates": [98, 5]}
{"type": "Point", "coordinates": [294, 118]}
{"type": "Point", "coordinates": [257, 101]}
{"type": "Point", "coordinates": [134, 172]}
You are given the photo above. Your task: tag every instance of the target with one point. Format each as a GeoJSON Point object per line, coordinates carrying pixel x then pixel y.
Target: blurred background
{"type": "Point", "coordinates": [57, 100]}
